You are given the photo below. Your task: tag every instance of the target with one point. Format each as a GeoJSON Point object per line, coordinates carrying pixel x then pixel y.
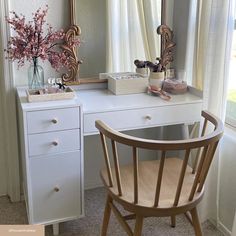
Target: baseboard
{"type": "Point", "coordinates": [92, 185]}
{"type": "Point", "coordinates": [224, 230]}
{"type": "Point", "coordinates": [221, 228]}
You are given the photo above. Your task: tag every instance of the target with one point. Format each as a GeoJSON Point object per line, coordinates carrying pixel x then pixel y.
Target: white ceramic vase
{"type": "Point", "coordinates": [156, 79]}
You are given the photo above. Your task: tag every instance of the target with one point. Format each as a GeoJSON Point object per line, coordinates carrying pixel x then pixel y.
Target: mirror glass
{"type": "Point", "coordinates": [116, 32]}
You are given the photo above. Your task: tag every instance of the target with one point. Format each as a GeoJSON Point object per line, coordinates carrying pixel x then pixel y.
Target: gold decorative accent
{"type": "Point", "coordinates": [167, 45]}
{"type": "Point", "coordinates": [74, 31]}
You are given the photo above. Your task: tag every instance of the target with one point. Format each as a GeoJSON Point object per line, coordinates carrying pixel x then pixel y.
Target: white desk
{"type": "Point", "coordinates": [52, 142]}
{"type": "Point", "coordinates": [136, 111]}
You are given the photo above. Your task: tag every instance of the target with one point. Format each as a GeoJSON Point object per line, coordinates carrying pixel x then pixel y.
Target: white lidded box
{"type": "Point", "coordinates": [127, 83]}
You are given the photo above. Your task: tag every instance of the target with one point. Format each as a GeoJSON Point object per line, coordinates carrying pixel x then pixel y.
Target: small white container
{"type": "Point", "coordinates": [142, 71]}
{"type": "Point", "coordinates": [156, 79]}
{"type": "Point", "coordinates": [170, 73]}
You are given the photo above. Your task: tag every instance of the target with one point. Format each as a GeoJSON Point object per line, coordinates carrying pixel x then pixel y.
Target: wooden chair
{"type": "Point", "coordinates": [165, 187]}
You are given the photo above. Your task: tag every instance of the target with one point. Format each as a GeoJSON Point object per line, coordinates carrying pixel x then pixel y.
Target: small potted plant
{"type": "Point", "coordinates": [141, 67]}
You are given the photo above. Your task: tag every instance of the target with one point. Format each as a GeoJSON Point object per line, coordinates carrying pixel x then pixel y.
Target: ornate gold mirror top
{"type": "Point", "coordinates": [95, 19]}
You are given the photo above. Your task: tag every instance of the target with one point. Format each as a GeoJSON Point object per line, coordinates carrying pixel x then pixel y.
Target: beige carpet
{"type": "Point", "coordinates": [15, 213]}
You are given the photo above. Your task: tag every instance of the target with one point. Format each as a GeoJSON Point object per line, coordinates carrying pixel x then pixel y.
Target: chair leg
{"type": "Point", "coordinates": [196, 223]}
{"type": "Point", "coordinates": [173, 221]}
{"type": "Point", "coordinates": [106, 217]}
{"type": "Point", "coordinates": [138, 226]}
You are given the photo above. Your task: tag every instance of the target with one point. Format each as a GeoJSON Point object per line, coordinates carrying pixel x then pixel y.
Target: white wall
{"type": "Point", "coordinates": [227, 194]}
{"type": "Point", "coordinates": [180, 27]}
{"type": "Point", "coordinates": [184, 27]}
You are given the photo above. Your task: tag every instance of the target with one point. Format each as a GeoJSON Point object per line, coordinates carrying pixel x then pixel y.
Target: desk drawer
{"type": "Point", "coordinates": [53, 120]}
{"type": "Point", "coordinates": [141, 118]}
{"type": "Point", "coordinates": [54, 142]}
{"type": "Point", "coordinates": [56, 183]}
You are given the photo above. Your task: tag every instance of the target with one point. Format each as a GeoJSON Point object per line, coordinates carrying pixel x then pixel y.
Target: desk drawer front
{"type": "Point", "coordinates": [141, 118]}
{"type": "Point", "coordinates": [56, 187]}
{"type": "Point", "coordinates": [53, 120]}
{"type": "Point", "coordinates": [54, 142]}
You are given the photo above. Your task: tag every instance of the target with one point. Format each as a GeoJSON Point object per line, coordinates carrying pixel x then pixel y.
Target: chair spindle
{"type": "Point", "coordinates": [159, 179]}
{"type": "Point", "coordinates": [199, 149]}
{"type": "Point", "coordinates": [107, 161]}
{"type": "Point", "coordinates": [117, 167]}
{"type": "Point", "coordinates": [181, 178]}
{"type": "Point", "coordinates": [135, 165]}
{"type": "Point", "coordinates": [199, 170]}
{"type": "Point", "coordinates": [206, 167]}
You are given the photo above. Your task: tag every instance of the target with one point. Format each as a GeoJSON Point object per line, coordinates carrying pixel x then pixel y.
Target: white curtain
{"type": "Point", "coordinates": [131, 33]}
{"type": "Point", "coordinates": [8, 116]}
{"type": "Point", "coordinates": [213, 47]}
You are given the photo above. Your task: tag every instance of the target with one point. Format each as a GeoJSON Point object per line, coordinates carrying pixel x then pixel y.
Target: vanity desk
{"type": "Point", "coordinates": [136, 111]}
{"type": "Point", "coordinates": [51, 135]}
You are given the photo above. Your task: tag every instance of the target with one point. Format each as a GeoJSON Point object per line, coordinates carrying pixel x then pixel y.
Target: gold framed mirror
{"type": "Point", "coordinates": [72, 77]}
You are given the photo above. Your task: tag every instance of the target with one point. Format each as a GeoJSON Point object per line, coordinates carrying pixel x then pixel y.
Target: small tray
{"type": "Point", "coordinates": [41, 95]}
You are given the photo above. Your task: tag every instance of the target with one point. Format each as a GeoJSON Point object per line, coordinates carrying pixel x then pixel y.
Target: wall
{"type": "Point", "coordinates": [227, 193]}
{"type": "Point", "coordinates": [184, 27]}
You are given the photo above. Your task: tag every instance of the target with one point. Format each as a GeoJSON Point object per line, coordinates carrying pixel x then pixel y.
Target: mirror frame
{"type": "Point", "coordinates": [70, 78]}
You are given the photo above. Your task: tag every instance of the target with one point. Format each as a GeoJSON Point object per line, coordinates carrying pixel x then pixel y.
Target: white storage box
{"type": "Point", "coordinates": [127, 83]}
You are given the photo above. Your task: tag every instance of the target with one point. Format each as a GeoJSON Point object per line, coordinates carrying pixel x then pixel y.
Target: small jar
{"type": "Point", "coordinates": [156, 78]}
{"type": "Point", "coordinates": [142, 71]}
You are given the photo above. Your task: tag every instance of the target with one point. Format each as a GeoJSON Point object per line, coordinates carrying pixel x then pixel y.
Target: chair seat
{"type": "Point", "coordinates": [148, 172]}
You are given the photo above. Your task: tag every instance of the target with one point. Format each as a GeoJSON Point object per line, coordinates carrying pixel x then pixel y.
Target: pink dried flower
{"type": "Point", "coordinates": [30, 41]}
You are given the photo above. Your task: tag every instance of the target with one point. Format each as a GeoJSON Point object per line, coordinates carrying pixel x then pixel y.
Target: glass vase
{"type": "Point", "coordinates": [35, 75]}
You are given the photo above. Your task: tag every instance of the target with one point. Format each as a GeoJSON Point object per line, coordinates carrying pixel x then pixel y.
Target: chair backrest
{"type": "Point", "coordinates": [206, 145]}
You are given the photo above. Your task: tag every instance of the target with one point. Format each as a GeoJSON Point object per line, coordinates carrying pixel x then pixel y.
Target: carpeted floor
{"type": "Point", "coordinates": [15, 213]}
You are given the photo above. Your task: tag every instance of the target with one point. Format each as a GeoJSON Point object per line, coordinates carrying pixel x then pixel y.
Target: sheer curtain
{"type": "Point", "coordinates": [213, 47]}
{"type": "Point", "coordinates": [131, 32]}
{"type": "Point", "coordinates": [8, 119]}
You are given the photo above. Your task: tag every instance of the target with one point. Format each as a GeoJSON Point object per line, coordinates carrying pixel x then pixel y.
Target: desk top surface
{"type": "Point", "coordinates": [102, 100]}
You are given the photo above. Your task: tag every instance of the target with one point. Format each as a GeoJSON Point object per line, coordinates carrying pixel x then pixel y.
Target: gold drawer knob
{"type": "Point", "coordinates": [148, 117]}
{"type": "Point", "coordinates": [56, 189]}
{"type": "Point", "coordinates": [54, 120]}
{"type": "Point", "coordinates": [55, 143]}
